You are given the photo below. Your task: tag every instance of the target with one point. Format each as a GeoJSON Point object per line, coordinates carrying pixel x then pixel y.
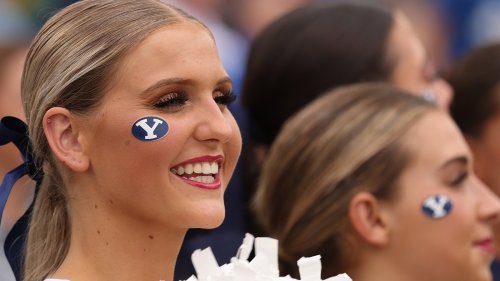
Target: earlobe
{"type": "Point", "coordinates": [63, 138]}
{"type": "Point", "coordinates": [367, 219]}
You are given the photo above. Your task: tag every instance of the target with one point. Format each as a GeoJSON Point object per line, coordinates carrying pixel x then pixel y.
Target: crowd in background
{"type": "Point", "coordinates": [448, 27]}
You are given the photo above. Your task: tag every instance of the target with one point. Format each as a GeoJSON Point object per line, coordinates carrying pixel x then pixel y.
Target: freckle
{"type": "Point", "coordinates": [144, 250]}
{"type": "Point", "coordinates": [98, 232]}
{"type": "Point", "coordinates": [95, 206]}
{"type": "Point", "coordinates": [151, 237]}
{"type": "Point", "coordinates": [111, 202]}
{"type": "Point", "coordinates": [107, 244]}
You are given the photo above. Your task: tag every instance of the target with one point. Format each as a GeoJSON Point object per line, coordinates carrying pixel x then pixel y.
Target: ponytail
{"type": "Point", "coordinates": [49, 231]}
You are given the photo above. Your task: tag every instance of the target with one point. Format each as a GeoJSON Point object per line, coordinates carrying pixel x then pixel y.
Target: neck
{"type": "Point", "coordinates": [106, 245]}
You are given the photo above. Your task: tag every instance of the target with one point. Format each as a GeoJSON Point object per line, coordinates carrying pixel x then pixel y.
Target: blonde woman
{"type": "Point", "coordinates": [126, 105]}
{"type": "Point", "coordinates": [380, 183]}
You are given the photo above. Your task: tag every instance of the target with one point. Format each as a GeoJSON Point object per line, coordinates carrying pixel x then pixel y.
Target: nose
{"type": "Point", "coordinates": [215, 124]}
{"type": "Point", "coordinates": [443, 92]}
{"type": "Point", "coordinates": [488, 203]}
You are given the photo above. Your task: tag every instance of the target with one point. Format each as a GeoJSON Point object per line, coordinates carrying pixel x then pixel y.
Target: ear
{"type": "Point", "coordinates": [367, 219]}
{"type": "Point", "coordinates": [62, 135]}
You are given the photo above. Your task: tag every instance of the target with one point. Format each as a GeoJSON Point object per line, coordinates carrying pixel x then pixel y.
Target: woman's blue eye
{"type": "Point", "coordinates": [171, 100]}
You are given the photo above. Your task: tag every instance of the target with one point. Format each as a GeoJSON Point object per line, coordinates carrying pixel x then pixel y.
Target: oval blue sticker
{"type": "Point", "coordinates": [437, 206]}
{"type": "Point", "coordinates": [150, 128]}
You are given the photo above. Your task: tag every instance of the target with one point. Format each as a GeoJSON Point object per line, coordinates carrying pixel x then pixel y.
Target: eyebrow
{"type": "Point", "coordinates": [456, 160]}
{"type": "Point", "coordinates": [180, 81]}
{"type": "Point", "coordinates": [224, 80]}
{"type": "Point", "coordinates": [169, 81]}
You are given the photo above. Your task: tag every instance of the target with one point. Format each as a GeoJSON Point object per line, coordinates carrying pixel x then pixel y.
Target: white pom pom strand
{"type": "Point", "coordinates": [263, 267]}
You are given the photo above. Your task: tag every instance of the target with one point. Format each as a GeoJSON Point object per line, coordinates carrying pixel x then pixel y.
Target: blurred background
{"type": "Point", "coordinates": [448, 28]}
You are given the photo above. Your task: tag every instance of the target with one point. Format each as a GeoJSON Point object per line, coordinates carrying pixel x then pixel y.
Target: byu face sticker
{"type": "Point", "coordinates": [150, 128]}
{"type": "Point", "coordinates": [437, 206]}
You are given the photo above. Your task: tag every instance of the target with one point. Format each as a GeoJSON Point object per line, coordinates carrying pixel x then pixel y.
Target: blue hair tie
{"type": "Point", "coordinates": [14, 130]}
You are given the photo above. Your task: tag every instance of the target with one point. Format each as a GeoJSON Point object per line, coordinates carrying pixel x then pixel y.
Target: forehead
{"type": "Point", "coordinates": [403, 38]}
{"type": "Point", "coordinates": [183, 49]}
{"type": "Point", "coordinates": [184, 36]}
{"type": "Point", "coordinates": [435, 139]}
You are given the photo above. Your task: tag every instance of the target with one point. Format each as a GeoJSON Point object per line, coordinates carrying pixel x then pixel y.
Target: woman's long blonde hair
{"type": "Point", "coordinates": [70, 64]}
{"type": "Point", "coordinates": [347, 141]}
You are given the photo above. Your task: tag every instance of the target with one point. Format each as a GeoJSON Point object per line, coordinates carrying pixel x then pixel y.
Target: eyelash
{"type": "Point", "coordinates": [178, 99]}
{"type": "Point", "coordinates": [225, 99]}
{"type": "Point", "coordinates": [460, 179]}
{"type": "Point", "coordinates": [172, 100]}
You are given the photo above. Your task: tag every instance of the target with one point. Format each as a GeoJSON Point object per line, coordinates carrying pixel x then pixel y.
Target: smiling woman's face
{"type": "Point", "coordinates": [459, 245]}
{"type": "Point", "coordinates": [174, 74]}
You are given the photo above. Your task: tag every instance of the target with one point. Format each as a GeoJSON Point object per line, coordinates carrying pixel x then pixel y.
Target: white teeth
{"type": "Point", "coordinates": [214, 168]}
{"type": "Point", "coordinates": [203, 179]}
{"type": "Point", "coordinates": [206, 169]}
{"type": "Point", "coordinates": [197, 168]}
{"type": "Point", "coordinates": [180, 171]}
{"type": "Point", "coordinates": [188, 169]}
{"type": "Point", "coordinates": [208, 179]}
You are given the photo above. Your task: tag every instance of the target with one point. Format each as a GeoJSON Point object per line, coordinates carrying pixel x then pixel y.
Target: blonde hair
{"type": "Point", "coordinates": [70, 64]}
{"type": "Point", "coordinates": [347, 141]}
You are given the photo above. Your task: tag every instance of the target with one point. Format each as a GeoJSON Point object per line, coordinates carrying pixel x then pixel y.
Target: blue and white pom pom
{"type": "Point", "coordinates": [263, 267]}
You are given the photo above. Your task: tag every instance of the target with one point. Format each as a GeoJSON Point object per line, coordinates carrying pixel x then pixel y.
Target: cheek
{"type": "Point", "coordinates": [115, 149]}
{"type": "Point", "coordinates": [234, 145]}
{"type": "Point", "coordinates": [452, 233]}
{"type": "Point", "coordinates": [446, 224]}
{"type": "Point", "coordinates": [236, 141]}
{"type": "Point", "coordinates": [446, 240]}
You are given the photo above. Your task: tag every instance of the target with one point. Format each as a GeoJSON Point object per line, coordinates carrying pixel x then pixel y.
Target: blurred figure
{"type": "Point", "coordinates": [252, 16]}
{"type": "Point", "coordinates": [323, 46]}
{"type": "Point", "coordinates": [348, 178]}
{"type": "Point", "coordinates": [15, 33]}
{"type": "Point", "coordinates": [11, 64]}
{"type": "Point", "coordinates": [432, 27]}
{"type": "Point", "coordinates": [475, 79]}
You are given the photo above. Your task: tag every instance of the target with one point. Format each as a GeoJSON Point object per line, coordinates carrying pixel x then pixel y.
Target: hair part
{"type": "Point", "coordinates": [345, 142]}
{"type": "Point", "coordinates": [71, 63]}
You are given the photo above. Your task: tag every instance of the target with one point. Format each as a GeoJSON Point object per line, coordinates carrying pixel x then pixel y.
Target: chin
{"type": "Point", "coordinates": [485, 275]}
{"type": "Point", "coordinates": [480, 275]}
{"type": "Point", "coordinates": [210, 217]}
